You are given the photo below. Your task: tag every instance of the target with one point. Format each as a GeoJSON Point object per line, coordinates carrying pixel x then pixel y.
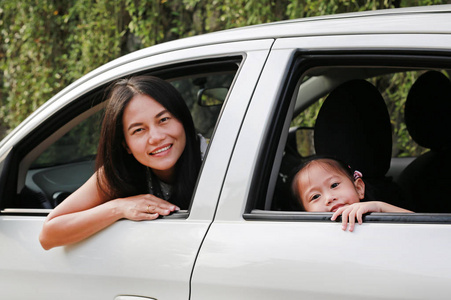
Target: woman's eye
{"type": "Point", "coordinates": [137, 130]}
{"type": "Point", "coordinates": [164, 119]}
{"type": "Point", "coordinates": [334, 185]}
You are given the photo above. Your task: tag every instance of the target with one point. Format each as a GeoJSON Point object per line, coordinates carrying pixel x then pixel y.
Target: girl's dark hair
{"type": "Point", "coordinates": [333, 162]}
{"type": "Point", "coordinates": [119, 174]}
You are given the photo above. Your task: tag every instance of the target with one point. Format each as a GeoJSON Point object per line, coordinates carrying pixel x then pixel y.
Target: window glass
{"type": "Point", "coordinates": [396, 186]}
{"type": "Point", "coordinates": [394, 88]}
{"type": "Point", "coordinates": [192, 89]}
{"type": "Point", "coordinates": [68, 162]}
{"type": "Point", "coordinates": [79, 144]}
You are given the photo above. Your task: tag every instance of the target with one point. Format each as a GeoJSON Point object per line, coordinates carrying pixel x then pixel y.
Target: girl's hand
{"type": "Point", "coordinates": [144, 207]}
{"type": "Point", "coordinates": [355, 211]}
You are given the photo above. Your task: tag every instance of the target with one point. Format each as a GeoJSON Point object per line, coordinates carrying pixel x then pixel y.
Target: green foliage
{"type": "Point", "coordinates": [47, 44]}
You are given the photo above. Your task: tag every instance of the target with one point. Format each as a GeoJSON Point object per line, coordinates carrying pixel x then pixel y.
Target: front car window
{"type": "Point", "coordinates": [61, 162]}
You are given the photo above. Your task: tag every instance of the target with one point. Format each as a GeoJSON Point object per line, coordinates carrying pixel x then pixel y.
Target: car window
{"type": "Point", "coordinates": [63, 157]}
{"type": "Point", "coordinates": [194, 90]}
{"type": "Point", "coordinates": [308, 134]}
{"type": "Point", "coordinates": [79, 144]}
{"type": "Point", "coordinates": [394, 88]}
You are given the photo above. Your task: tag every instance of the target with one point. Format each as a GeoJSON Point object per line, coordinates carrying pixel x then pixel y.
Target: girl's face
{"type": "Point", "coordinates": [323, 188]}
{"type": "Point", "coordinates": [153, 135]}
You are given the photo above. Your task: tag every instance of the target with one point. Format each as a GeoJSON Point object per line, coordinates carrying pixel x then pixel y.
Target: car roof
{"type": "Point", "coordinates": [411, 20]}
{"type": "Point", "coordinates": [402, 20]}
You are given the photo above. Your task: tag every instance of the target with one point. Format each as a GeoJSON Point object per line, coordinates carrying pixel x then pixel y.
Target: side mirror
{"type": "Point", "coordinates": [211, 96]}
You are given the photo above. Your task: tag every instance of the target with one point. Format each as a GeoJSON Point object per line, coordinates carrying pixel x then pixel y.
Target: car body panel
{"type": "Point", "coordinates": [292, 260]}
{"type": "Point", "coordinates": [102, 266]}
{"type": "Point", "coordinates": [252, 259]}
{"type": "Point", "coordinates": [160, 262]}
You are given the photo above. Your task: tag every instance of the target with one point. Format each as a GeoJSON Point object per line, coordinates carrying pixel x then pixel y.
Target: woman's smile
{"type": "Point", "coordinates": [160, 150]}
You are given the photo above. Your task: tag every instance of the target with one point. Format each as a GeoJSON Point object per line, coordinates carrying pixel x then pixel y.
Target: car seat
{"type": "Point", "coordinates": [427, 116]}
{"type": "Point", "coordinates": [353, 125]}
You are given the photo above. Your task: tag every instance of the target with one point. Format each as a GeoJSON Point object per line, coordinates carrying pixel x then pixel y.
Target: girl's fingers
{"type": "Point", "coordinates": [338, 212]}
{"type": "Point", "coordinates": [352, 216]}
{"type": "Point", "coordinates": [335, 215]}
{"type": "Point", "coordinates": [349, 214]}
{"type": "Point", "coordinates": [360, 217]}
{"type": "Point", "coordinates": [344, 220]}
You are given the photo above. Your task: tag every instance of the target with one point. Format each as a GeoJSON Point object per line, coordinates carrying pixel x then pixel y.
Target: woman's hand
{"type": "Point", "coordinates": [349, 213]}
{"type": "Point", "coordinates": [144, 207]}
{"type": "Point", "coordinates": [87, 211]}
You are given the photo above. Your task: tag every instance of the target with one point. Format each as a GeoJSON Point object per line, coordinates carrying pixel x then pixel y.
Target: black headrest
{"type": "Point", "coordinates": [428, 110]}
{"type": "Point", "coordinates": [354, 125]}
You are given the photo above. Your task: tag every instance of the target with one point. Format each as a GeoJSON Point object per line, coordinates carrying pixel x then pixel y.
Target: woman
{"type": "Point", "coordinates": [147, 163]}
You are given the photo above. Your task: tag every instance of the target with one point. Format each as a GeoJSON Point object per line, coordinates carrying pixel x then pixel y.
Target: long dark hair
{"type": "Point", "coordinates": [119, 174]}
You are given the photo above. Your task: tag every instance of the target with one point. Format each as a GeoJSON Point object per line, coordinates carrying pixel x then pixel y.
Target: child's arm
{"type": "Point", "coordinates": [355, 211]}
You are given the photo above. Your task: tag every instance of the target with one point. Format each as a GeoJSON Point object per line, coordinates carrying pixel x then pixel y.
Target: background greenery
{"type": "Point", "coordinates": [47, 44]}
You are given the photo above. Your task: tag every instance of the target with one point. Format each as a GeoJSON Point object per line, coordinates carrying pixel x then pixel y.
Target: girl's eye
{"type": "Point", "coordinates": [314, 197]}
{"type": "Point", "coordinates": [334, 185]}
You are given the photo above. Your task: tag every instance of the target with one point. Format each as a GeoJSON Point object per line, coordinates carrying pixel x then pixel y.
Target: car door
{"type": "Point", "coordinates": [152, 259]}
{"type": "Point", "coordinates": [254, 252]}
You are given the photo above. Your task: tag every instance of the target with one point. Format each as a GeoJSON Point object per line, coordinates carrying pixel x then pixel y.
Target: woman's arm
{"type": "Point", "coordinates": [87, 211]}
{"type": "Point", "coordinates": [356, 211]}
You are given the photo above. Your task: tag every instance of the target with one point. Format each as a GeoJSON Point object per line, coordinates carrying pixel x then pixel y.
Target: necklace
{"type": "Point", "coordinates": [157, 187]}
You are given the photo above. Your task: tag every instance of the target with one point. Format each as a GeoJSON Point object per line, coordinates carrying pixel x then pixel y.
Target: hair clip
{"type": "Point", "coordinates": [357, 175]}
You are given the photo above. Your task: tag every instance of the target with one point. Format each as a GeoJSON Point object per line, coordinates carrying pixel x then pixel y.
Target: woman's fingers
{"type": "Point", "coordinates": [155, 209]}
{"type": "Point", "coordinates": [146, 207]}
{"type": "Point", "coordinates": [155, 204]}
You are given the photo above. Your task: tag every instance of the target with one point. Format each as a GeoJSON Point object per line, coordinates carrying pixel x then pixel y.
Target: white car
{"type": "Point", "coordinates": [243, 237]}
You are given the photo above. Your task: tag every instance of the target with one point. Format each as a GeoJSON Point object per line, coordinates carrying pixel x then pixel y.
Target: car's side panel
{"type": "Point", "coordinates": [150, 258]}
{"type": "Point", "coordinates": [305, 260]}
{"type": "Point", "coordinates": [246, 259]}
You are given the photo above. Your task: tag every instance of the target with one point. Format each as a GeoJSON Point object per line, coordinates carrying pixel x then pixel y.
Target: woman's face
{"type": "Point", "coordinates": [324, 189]}
{"type": "Point", "coordinates": [153, 135]}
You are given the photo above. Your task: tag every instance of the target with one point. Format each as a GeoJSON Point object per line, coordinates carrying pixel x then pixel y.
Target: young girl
{"type": "Point", "coordinates": [328, 185]}
{"type": "Point", "coordinates": [147, 163]}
